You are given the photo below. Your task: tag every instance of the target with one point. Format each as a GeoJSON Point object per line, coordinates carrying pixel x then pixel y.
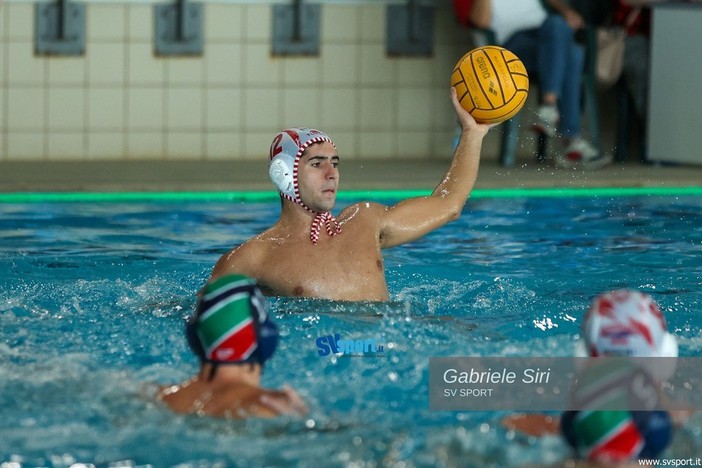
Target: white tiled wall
{"type": "Point", "coordinates": [119, 101]}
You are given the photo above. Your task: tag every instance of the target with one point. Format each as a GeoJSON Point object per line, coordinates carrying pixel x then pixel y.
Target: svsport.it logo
{"type": "Point", "coordinates": [363, 347]}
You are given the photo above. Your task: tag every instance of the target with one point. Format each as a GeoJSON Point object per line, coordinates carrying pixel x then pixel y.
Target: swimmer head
{"type": "Point", "coordinates": [627, 323]}
{"type": "Point", "coordinates": [285, 153]}
{"type": "Point", "coordinates": [231, 324]}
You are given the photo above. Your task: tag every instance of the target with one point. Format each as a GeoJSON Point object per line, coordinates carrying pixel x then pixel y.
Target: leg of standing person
{"type": "Point", "coordinates": [636, 65]}
{"type": "Point", "coordinates": [560, 61]}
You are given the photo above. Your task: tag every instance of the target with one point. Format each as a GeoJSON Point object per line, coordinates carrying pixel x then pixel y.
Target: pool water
{"type": "Point", "coordinates": [93, 297]}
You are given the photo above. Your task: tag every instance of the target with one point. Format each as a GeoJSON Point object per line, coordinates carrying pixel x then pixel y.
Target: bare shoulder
{"type": "Point", "coordinates": [241, 259]}
{"type": "Point", "coordinates": [364, 210]}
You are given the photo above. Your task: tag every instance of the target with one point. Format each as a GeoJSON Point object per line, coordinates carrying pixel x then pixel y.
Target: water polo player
{"type": "Point", "coordinates": [309, 252]}
{"type": "Point", "coordinates": [625, 324]}
{"type": "Point", "coordinates": [233, 336]}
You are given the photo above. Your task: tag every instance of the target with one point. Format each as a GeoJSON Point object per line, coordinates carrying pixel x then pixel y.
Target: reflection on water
{"type": "Point", "coordinates": [94, 297]}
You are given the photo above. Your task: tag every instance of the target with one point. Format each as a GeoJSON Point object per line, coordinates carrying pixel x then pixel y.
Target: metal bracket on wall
{"type": "Point", "coordinates": [59, 28]}
{"type": "Point", "coordinates": [178, 28]}
{"type": "Point", "coordinates": [410, 29]}
{"type": "Point", "coordinates": [296, 29]}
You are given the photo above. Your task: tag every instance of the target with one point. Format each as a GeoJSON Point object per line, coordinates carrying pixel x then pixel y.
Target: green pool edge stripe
{"type": "Point", "coordinates": [265, 196]}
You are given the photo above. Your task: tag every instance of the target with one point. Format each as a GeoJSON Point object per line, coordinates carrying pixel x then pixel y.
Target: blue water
{"type": "Point", "coordinates": [93, 297]}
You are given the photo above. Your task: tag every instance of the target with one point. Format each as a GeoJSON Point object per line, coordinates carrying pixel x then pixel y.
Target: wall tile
{"type": "Point", "coordinates": [105, 146]}
{"type": "Point", "coordinates": [444, 116]}
{"type": "Point", "coordinates": [105, 23]}
{"type": "Point", "coordinates": [184, 108]}
{"type": "Point", "coordinates": [340, 64]}
{"type": "Point", "coordinates": [23, 146]}
{"type": "Point", "coordinates": [233, 99]}
{"type": "Point", "coordinates": [66, 146]}
{"type": "Point", "coordinates": [257, 145]}
{"type": "Point", "coordinates": [66, 71]}
{"type": "Point", "coordinates": [224, 145]}
{"type": "Point", "coordinates": [417, 71]}
{"type": "Point", "coordinates": [416, 108]}
{"type": "Point", "coordinates": [377, 109]}
{"type": "Point", "coordinates": [415, 145]}
{"type": "Point", "coordinates": [106, 64]}
{"type": "Point", "coordinates": [375, 68]}
{"type": "Point", "coordinates": [145, 145]}
{"type": "Point", "coordinates": [3, 26]}
{"type": "Point", "coordinates": [347, 145]}
{"type": "Point", "coordinates": [259, 67]}
{"type": "Point", "coordinates": [140, 26]}
{"type": "Point", "coordinates": [223, 22]}
{"type": "Point", "coordinates": [3, 111]}
{"type": "Point", "coordinates": [373, 23]}
{"type": "Point", "coordinates": [66, 109]}
{"type": "Point", "coordinates": [224, 109]}
{"type": "Point", "coordinates": [264, 110]}
{"type": "Point", "coordinates": [145, 109]}
{"type": "Point", "coordinates": [142, 67]}
{"type": "Point", "coordinates": [304, 71]}
{"type": "Point", "coordinates": [223, 64]}
{"type": "Point", "coordinates": [378, 145]}
{"type": "Point", "coordinates": [258, 23]}
{"type": "Point", "coordinates": [340, 23]}
{"type": "Point", "coordinates": [184, 145]}
{"type": "Point", "coordinates": [26, 109]}
{"type": "Point", "coordinates": [184, 70]}
{"type": "Point", "coordinates": [301, 108]}
{"type": "Point", "coordinates": [20, 21]}
{"type": "Point", "coordinates": [339, 107]}
{"type": "Point", "coordinates": [24, 69]}
{"type": "Point", "coordinates": [106, 108]}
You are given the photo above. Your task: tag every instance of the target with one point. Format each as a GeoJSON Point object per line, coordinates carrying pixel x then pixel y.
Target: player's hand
{"type": "Point", "coordinates": [465, 120]}
{"type": "Point", "coordinates": [284, 402]}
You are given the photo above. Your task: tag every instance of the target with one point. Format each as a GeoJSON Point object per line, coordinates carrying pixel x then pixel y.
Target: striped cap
{"type": "Point", "coordinates": [627, 323]}
{"type": "Point", "coordinates": [285, 153]}
{"type": "Point", "coordinates": [231, 324]}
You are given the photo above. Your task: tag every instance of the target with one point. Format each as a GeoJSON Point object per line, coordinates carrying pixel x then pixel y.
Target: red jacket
{"type": "Point", "coordinates": [462, 9]}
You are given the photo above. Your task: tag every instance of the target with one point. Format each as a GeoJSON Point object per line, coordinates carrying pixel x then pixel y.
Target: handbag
{"type": "Point", "coordinates": [611, 42]}
{"type": "Point", "coordinates": [610, 55]}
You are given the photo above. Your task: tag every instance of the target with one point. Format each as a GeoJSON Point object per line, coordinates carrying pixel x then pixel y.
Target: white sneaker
{"type": "Point", "coordinates": [580, 153]}
{"type": "Point", "coordinates": [547, 118]}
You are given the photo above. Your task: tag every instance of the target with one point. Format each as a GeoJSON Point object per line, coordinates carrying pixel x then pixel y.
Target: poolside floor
{"type": "Point", "coordinates": [119, 176]}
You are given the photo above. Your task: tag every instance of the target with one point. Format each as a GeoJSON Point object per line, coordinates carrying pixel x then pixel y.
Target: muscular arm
{"type": "Point", "coordinates": [415, 217]}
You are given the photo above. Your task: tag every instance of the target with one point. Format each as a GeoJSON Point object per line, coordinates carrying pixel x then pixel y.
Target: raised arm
{"type": "Point", "coordinates": [415, 217]}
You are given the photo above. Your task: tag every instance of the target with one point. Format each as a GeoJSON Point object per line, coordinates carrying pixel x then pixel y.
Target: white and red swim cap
{"type": "Point", "coordinates": [627, 323]}
{"type": "Point", "coordinates": [285, 153]}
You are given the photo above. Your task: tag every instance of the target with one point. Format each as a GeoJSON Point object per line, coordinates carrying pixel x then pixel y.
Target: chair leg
{"type": "Point", "coordinates": [622, 149]}
{"type": "Point", "coordinates": [541, 147]}
{"type": "Point", "coordinates": [510, 138]}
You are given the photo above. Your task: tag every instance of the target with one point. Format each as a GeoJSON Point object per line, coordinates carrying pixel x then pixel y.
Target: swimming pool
{"type": "Point", "coordinates": [93, 297]}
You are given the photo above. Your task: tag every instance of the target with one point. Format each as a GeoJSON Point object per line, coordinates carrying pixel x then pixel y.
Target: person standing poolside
{"type": "Point", "coordinates": [546, 43]}
{"type": "Point", "coordinates": [310, 253]}
{"type": "Point", "coordinates": [233, 336]}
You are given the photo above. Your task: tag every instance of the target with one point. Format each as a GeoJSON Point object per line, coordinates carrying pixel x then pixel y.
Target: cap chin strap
{"type": "Point", "coordinates": [327, 220]}
{"type": "Point", "coordinates": [321, 219]}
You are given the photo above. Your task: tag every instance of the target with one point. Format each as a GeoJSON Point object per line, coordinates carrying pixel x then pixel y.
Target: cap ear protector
{"type": "Point", "coordinates": [231, 324]}
{"type": "Point", "coordinates": [285, 152]}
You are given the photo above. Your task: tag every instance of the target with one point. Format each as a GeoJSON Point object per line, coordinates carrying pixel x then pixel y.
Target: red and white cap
{"type": "Point", "coordinates": [285, 153]}
{"type": "Point", "coordinates": [627, 323]}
